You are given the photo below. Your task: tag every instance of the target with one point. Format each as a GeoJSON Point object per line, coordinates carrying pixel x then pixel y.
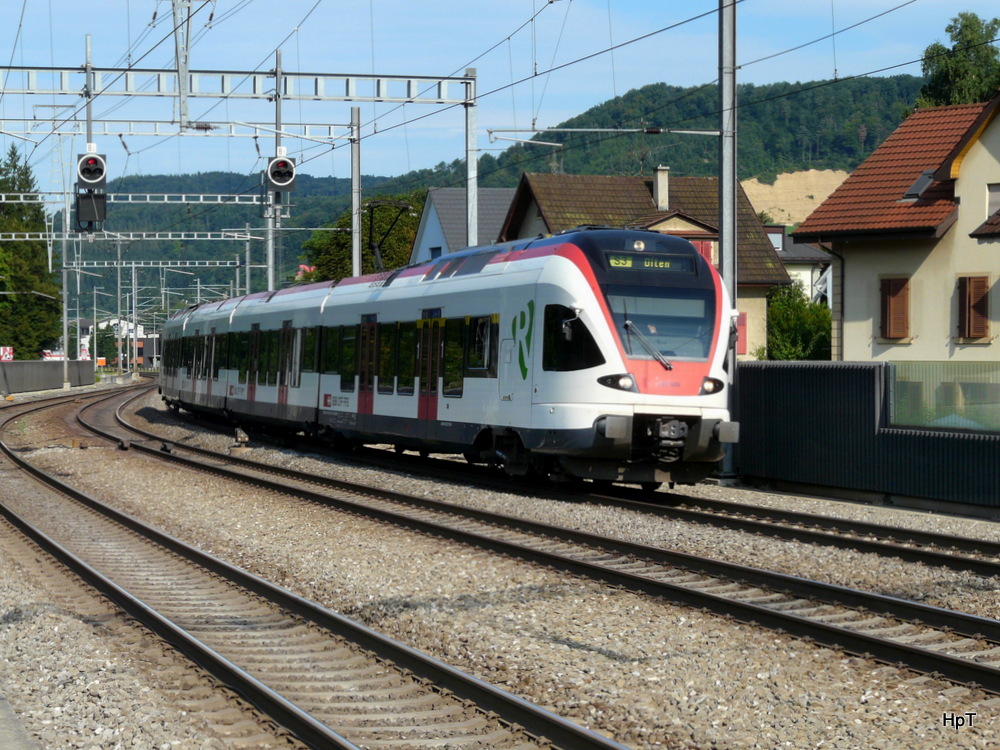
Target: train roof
{"type": "Point", "coordinates": [594, 241]}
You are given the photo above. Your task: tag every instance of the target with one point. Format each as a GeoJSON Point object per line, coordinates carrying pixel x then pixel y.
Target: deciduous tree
{"type": "Point", "coordinates": [797, 329]}
{"type": "Point", "coordinates": [966, 72]}
{"type": "Point", "coordinates": [384, 222]}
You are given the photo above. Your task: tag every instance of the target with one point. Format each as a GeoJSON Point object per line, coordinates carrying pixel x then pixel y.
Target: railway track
{"type": "Point", "coordinates": [960, 647]}
{"type": "Point", "coordinates": [331, 682]}
{"type": "Point", "coordinates": [947, 551]}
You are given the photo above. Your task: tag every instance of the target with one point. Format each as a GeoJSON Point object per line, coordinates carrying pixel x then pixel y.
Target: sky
{"type": "Point", "coordinates": [537, 62]}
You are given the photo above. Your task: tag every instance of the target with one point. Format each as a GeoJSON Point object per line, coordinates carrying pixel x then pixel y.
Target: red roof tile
{"type": "Point", "coordinates": [872, 200]}
{"type": "Point", "coordinates": [989, 228]}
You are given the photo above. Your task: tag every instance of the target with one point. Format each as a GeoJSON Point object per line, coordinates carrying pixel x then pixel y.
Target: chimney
{"type": "Point", "coordinates": [661, 188]}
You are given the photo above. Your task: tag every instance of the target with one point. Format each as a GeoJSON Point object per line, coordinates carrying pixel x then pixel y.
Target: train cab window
{"type": "Point", "coordinates": [454, 356]}
{"type": "Point", "coordinates": [567, 344]}
{"type": "Point", "coordinates": [348, 357]}
{"type": "Point", "coordinates": [386, 357]}
{"type": "Point", "coordinates": [406, 358]}
{"type": "Point", "coordinates": [330, 350]}
{"type": "Point", "coordinates": [676, 322]}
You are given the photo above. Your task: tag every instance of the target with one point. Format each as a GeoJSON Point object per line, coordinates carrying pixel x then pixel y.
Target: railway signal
{"type": "Point", "coordinates": [280, 174]}
{"type": "Point", "coordinates": [91, 171]}
{"type": "Point", "coordinates": [91, 200]}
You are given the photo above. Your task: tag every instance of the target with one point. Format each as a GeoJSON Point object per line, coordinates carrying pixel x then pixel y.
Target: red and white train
{"type": "Point", "coordinates": [596, 353]}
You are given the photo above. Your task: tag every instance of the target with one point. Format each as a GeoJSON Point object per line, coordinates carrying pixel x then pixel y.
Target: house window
{"type": "Point", "coordinates": [973, 307]}
{"type": "Point", "coordinates": [895, 308]}
{"type": "Point", "coordinates": [993, 199]}
{"type": "Point", "coordinates": [435, 253]}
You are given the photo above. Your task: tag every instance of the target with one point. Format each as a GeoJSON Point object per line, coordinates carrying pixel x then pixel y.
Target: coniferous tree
{"type": "Point", "coordinates": [30, 306]}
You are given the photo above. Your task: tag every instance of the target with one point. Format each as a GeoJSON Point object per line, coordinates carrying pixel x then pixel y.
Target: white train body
{"type": "Point", "coordinates": [596, 353]}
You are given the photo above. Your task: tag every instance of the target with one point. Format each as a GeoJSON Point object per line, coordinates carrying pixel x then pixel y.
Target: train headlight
{"type": "Point", "coordinates": [624, 382]}
{"type": "Point", "coordinates": [711, 385]}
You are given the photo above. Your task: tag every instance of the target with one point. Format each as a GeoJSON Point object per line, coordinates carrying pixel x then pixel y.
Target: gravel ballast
{"type": "Point", "coordinates": [646, 672]}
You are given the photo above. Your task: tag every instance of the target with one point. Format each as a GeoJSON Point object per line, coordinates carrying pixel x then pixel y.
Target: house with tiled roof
{"type": "Point", "coordinates": [915, 239]}
{"type": "Point", "coordinates": [684, 206]}
{"type": "Point", "coordinates": [444, 225]}
{"type": "Point", "coordinates": [807, 264]}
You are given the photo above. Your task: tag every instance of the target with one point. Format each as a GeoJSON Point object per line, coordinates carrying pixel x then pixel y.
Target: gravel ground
{"type": "Point", "coordinates": [650, 674]}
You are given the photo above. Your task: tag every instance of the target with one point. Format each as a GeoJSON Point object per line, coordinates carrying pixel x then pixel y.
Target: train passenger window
{"type": "Point", "coordinates": [271, 339]}
{"type": "Point", "coordinates": [203, 355]}
{"type": "Point", "coordinates": [330, 350]}
{"type": "Point", "coordinates": [310, 339]}
{"type": "Point", "coordinates": [289, 355]}
{"type": "Point", "coordinates": [567, 344]}
{"type": "Point", "coordinates": [454, 359]}
{"type": "Point", "coordinates": [348, 357]}
{"type": "Point", "coordinates": [221, 359]}
{"type": "Point", "coordinates": [198, 355]}
{"type": "Point", "coordinates": [209, 356]}
{"type": "Point", "coordinates": [187, 358]}
{"type": "Point", "coordinates": [255, 353]}
{"type": "Point", "coordinates": [241, 354]}
{"type": "Point", "coordinates": [386, 355]}
{"type": "Point", "coordinates": [406, 357]}
{"type": "Point", "coordinates": [481, 356]}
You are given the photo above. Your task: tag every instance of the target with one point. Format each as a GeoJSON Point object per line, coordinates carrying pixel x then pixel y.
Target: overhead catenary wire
{"type": "Point", "coordinates": [609, 50]}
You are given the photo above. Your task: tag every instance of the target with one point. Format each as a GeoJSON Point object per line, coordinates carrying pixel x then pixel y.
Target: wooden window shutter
{"type": "Point", "coordinates": [973, 307]}
{"type": "Point", "coordinates": [895, 305]}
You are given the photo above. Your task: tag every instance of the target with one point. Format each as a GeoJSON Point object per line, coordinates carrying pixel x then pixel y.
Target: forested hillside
{"type": "Point", "coordinates": [783, 127]}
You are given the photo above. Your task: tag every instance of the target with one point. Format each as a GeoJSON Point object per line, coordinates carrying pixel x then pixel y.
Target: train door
{"type": "Point", "coordinates": [367, 358]}
{"type": "Point", "coordinates": [429, 330]}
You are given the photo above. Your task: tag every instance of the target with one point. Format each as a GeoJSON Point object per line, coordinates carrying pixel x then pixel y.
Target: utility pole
{"type": "Point", "coordinates": [727, 195]}
{"type": "Point", "coordinates": [355, 191]}
{"type": "Point", "coordinates": [182, 35]}
{"type": "Point", "coordinates": [471, 160]}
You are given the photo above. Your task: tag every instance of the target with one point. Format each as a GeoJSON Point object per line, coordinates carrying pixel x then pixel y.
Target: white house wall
{"type": "Point", "coordinates": [934, 268]}
{"type": "Point", "coordinates": [429, 234]}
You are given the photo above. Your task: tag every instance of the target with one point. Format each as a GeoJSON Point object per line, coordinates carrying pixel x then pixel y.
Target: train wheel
{"type": "Point", "coordinates": [650, 486]}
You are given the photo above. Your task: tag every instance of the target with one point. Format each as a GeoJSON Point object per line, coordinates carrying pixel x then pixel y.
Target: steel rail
{"type": "Point", "coordinates": [511, 709]}
{"type": "Point", "coordinates": [925, 660]}
{"type": "Point", "coordinates": [930, 557]}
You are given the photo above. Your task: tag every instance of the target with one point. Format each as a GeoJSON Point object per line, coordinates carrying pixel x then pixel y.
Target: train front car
{"type": "Point", "coordinates": [631, 384]}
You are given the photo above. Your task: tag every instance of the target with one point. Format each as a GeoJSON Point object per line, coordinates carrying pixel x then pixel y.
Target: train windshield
{"type": "Point", "coordinates": [661, 323]}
